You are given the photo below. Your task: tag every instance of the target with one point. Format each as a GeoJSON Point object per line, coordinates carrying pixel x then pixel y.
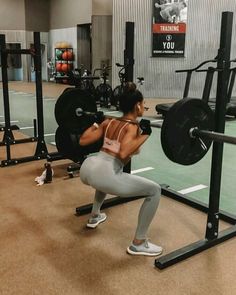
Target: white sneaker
{"type": "Point", "coordinates": [146, 249]}
{"type": "Point", "coordinates": [95, 220]}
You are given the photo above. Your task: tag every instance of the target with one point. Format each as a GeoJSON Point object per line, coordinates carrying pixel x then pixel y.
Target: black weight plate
{"type": "Point", "coordinates": [68, 89]}
{"type": "Point", "coordinates": [176, 141]}
{"type": "Point", "coordinates": [68, 145]}
{"type": "Point", "coordinates": [65, 109]}
{"type": "Point", "coordinates": [95, 147]}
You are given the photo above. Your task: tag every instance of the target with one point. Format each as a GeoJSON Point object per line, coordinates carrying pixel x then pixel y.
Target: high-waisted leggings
{"type": "Point", "coordinates": [105, 173]}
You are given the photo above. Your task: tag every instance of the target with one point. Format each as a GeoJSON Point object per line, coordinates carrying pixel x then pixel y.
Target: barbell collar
{"type": "Point", "coordinates": [215, 136]}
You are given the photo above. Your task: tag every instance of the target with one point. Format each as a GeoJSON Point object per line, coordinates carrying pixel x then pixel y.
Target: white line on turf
{"type": "Point", "coordinates": [23, 128]}
{"type": "Point", "coordinates": [11, 122]}
{"type": "Point", "coordinates": [192, 189]}
{"type": "Point", "coordinates": [18, 93]}
{"type": "Point", "coordinates": [50, 99]}
{"type": "Point", "coordinates": [49, 134]}
{"type": "Point", "coordinates": [23, 93]}
{"type": "Point", "coordinates": [52, 143]}
{"type": "Point", "coordinates": [141, 170]}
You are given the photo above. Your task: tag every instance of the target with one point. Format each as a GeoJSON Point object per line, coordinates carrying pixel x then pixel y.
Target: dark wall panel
{"type": "Point", "coordinates": [37, 15]}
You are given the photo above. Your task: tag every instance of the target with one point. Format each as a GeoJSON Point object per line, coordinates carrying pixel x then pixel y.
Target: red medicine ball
{"type": "Point", "coordinates": [58, 67]}
{"type": "Point", "coordinates": [65, 67]}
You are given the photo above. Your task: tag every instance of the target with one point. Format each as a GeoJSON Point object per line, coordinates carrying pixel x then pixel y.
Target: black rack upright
{"type": "Point", "coordinates": [8, 138]}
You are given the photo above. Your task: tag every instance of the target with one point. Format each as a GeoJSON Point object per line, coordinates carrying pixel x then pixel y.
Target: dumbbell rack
{"type": "Point", "coordinates": [61, 76]}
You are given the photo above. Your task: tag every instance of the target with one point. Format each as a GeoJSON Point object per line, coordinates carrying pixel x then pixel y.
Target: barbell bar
{"type": "Point", "coordinates": [186, 131]}
{"type": "Point", "coordinates": [215, 136]}
{"type": "Point", "coordinates": [79, 113]}
{"type": "Point", "coordinates": [193, 132]}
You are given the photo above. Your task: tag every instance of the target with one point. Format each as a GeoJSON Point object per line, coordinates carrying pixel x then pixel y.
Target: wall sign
{"type": "Point", "coordinates": [169, 28]}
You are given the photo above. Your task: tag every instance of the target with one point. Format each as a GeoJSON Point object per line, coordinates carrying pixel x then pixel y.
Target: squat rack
{"type": "Point", "coordinates": [212, 235]}
{"type": "Point", "coordinates": [41, 151]}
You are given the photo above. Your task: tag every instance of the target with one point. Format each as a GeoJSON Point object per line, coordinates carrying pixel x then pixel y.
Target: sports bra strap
{"type": "Point", "coordinates": [119, 131]}
{"type": "Point", "coordinates": [108, 127]}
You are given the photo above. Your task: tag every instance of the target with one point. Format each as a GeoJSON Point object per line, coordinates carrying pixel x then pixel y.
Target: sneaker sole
{"type": "Point", "coordinates": [143, 253]}
{"type": "Point", "coordinates": [94, 225]}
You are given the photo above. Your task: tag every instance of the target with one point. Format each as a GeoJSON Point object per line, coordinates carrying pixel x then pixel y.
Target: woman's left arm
{"type": "Point", "coordinates": [92, 134]}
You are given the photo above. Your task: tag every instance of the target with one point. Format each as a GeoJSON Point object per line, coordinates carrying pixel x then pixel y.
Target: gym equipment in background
{"type": "Point", "coordinates": [64, 57]}
{"type": "Point", "coordinates": [103, 92]}
{"type": "Point", "coordinates": [118, 90]}
{"type": "Point", "coordinates": [163, 108]}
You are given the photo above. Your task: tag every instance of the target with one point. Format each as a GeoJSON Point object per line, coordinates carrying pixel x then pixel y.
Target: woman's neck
{"type": "Point", "coordinates": [130, 116]}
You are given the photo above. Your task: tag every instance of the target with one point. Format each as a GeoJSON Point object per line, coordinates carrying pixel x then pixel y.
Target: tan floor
{"type": "Point", "coordinates": [49, 89]}
{"type": "Point", "coordinates": [46, 249]}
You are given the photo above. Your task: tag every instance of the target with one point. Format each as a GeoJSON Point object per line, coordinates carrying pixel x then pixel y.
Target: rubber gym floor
{"type": "Point", "coordinates": [46, 249]}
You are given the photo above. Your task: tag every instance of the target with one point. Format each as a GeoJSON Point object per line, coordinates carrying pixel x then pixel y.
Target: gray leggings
{"type": "Point", "coordinates": [105, 173]}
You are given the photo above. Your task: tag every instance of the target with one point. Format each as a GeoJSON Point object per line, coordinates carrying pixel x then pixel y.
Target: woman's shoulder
{"type": "Point", "coordinates": [122, 122]}
{"type": "Point", "coordinates": [106, 121]}
{"type": "Point", "coordinates": [131, 127]}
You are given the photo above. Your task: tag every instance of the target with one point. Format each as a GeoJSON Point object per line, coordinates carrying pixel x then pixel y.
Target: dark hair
{"type": "Point", "coordinates": [129, 97]}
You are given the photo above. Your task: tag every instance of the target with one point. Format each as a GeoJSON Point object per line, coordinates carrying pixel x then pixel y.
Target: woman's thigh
{"type": "Point", "coordinates": [125, 185]}
{"type": "Point", "coordinates": [103, 176]}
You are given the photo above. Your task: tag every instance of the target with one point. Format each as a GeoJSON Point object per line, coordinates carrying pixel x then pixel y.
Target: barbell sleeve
{"type": "Point", "coordinates": [215, 136]}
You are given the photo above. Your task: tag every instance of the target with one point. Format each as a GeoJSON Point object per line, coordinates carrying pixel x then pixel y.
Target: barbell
{"type": "Point", "coordinates": [186, 131]}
